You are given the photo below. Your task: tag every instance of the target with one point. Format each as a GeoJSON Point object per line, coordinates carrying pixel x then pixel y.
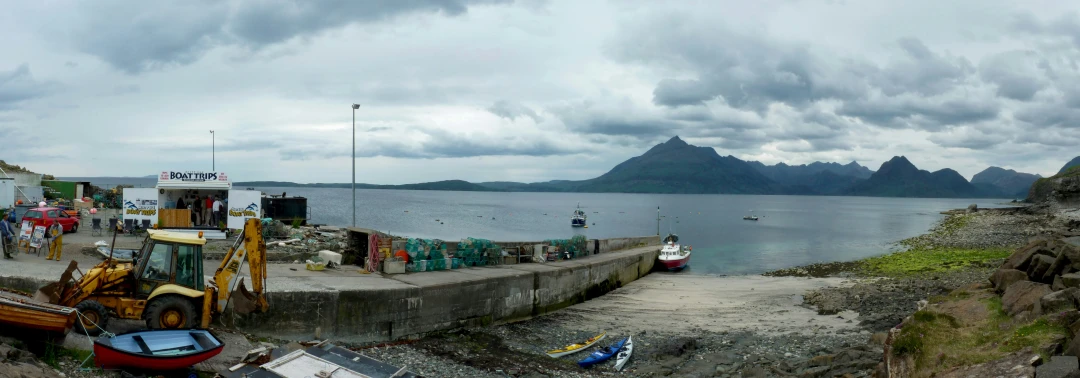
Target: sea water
{"type": "Point", "coordinates": [791, 230]}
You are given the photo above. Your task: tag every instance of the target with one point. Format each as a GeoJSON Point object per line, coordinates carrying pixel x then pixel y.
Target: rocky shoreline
{"type": "Point", "coordinates": [873, 304]}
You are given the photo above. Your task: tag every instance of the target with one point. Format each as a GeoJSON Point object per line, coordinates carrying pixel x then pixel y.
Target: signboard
{"type": "Point", "coordinates": [243, 204]}
{"type": "Point", "coordinates": [140, 203]}
{"type": "Point", "coordinates": [26, 230]}
{"type": "Point", "coordinates": [192, 176]}
{"type": "Point", "coordinates": [39, 234]}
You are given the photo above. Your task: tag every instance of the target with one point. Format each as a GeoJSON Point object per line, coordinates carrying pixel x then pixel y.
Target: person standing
{"type": "Point", "coordinates": [55, 234]}
{"type": "Point", "coordinates": [180, 205]}
{"type": "Point", "coordinates": [208, 210]}
{"type": "Point", "coordinates": [196, 210]}
{"type": "Point", "coordinates": [218, 214]}
{"type": "Point", "coordinates": [7, 235]}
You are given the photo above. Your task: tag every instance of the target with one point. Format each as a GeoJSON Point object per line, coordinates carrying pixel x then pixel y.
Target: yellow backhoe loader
{"type": "Point", "coordinates": [164, 284]}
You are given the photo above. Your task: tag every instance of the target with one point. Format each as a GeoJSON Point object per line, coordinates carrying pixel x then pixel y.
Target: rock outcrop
{"type": "Point", "coordinates": [1061, 190]}
{"type": "Point", "coordinates": [1043, 278]}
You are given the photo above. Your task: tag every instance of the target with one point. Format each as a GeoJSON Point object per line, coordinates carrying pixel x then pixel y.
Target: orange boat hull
{"type": "Point", "coordinates": [24, 312]}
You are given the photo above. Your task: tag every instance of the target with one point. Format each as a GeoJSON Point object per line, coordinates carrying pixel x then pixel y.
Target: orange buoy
{"type": "Point", "coordinates": [402, 254]}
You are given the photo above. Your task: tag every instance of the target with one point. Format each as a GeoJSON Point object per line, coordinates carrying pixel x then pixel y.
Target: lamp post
{"type": "Point", "coordinates": [213, 167]}
{"type": "Point", "coordinates": [354, 107]}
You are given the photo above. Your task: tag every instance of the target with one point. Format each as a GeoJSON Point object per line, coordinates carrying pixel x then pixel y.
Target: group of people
{"type": "Point", "coordinates": [207, 211]}
{"type": "Point", "coordinates": [54, 237]}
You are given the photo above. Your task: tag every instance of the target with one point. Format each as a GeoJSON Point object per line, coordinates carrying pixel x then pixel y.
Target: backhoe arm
{"type": "Point", "coordinates": [249, 246]}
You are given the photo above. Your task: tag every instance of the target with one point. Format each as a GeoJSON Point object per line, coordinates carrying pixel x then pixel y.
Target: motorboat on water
{"type": "Point", "coordinates": [750, 217]}
{"type": "Point", "coordinates": [578, 219]}
{"type": "Point", "coordinates": [674, 256]}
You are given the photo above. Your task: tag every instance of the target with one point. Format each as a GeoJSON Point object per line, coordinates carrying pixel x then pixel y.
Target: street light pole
{"type": "Point", "coordinates": [354, 107]}
{"type": "Point", "coordinates": [213, 166]}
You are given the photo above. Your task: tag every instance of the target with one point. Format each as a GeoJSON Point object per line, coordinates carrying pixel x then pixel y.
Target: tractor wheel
{"type": "Point", "coordinates": [170, 312]}
{"type": "Point", "coordinates": [95, 316]}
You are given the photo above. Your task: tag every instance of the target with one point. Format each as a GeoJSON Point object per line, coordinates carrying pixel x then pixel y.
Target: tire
{"type": "Point", "coordinates": [170, 312]}
{"type": "Point", "coordinates": [95, 312]}
{"type": "Point", "coordinates": [74, 228]}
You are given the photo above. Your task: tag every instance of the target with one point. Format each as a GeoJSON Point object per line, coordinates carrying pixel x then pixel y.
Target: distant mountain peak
{"type": "Point", "coordinates": [676, 141]}
{"type": "Point", "coordinates": [898, 164]}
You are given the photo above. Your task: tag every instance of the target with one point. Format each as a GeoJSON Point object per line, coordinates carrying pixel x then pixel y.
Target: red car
{"type": "Point", "coordinates": [46, 216]}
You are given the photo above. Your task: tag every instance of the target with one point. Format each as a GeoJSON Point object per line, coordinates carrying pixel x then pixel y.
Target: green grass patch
{"type": "Point", "coordinates": [55, 353]}
{"type": "Point", "coordinates": [939, 341]}
{"type": "Point", "coordinates": [931, 260]}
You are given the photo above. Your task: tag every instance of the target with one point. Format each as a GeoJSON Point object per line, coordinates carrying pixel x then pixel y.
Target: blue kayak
{"type": "Point", "coordinates": [603, 354]}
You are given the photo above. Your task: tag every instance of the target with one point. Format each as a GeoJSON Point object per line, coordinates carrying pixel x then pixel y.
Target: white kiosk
{"type": "Point", "coordinates": [151, 203]}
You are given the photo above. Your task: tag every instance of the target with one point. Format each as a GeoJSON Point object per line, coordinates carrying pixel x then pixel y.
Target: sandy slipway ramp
{"type": "Point", "coordinates": [688, 304]}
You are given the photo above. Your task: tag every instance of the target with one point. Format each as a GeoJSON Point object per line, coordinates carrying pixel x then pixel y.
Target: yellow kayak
{"type": "Point", "coordinates": [574, 348]}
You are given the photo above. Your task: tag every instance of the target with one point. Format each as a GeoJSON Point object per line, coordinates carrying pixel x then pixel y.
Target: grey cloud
{"type": "Point", "coordinates": [922, 71]}
{"type": "Point", "coordinates": [970, 138]}
{"type": "Point", "coordinates": [137, 39]}
{"type": "Point", "coordinates": [1052, 137]}
{"type": "Point", "coordinates": [747, 71]}
{"type": "Point", "coordinates": [921, 112]}
{"type": "Point", "coordinates": [439, 144]}
{"type": "Point", "coordinates": [735, 138]}
{"type": "Point", "coordinates": [1066, 25]}
{"type": "Point", "coordinates": [752, 71]}
{"type": "Point", "coordinates": [674, 93]}
{"type": "Point", "coordinates": [140, 38]}
{"type": "Point", "coordinates": [269, 22]}
{"type": "Point", "coordinates": [19, 85]}
{"type": "Point", "coordinates": [1048, 115]}
{"type": "Point", "coordinates": [619, 118]}
{"type": "Point", "coordinates": [513, 110]}
{"type": "Point", "coordinates": [451, 145]}
{"type": "Point", "coordinates": [1016, 73]}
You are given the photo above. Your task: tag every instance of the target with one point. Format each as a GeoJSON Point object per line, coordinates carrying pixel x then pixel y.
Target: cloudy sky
{"type": "Point", "coordinates": [531, 90]}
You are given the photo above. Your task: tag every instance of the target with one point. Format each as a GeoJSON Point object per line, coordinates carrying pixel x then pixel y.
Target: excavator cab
{"type": "Point", "coordinates": [169, 259]}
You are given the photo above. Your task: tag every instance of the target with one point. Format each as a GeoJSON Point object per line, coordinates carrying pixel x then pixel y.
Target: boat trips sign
{"type": "Point", "coordinates": [243, 204]}
{"type": "Point", "coordinates": [192, 176]}
{"type": "Point", "coordinates": [141, 203]}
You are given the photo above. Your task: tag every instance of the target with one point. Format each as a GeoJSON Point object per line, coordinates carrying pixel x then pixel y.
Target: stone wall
{"type": "Point", "coordinates": [443, 301]}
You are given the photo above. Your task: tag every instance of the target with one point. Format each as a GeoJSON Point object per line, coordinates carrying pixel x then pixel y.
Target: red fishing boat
{"type": "Point", "coordinates": [672, 255]}
{"type": "Point", "coordinates": [161, 349]}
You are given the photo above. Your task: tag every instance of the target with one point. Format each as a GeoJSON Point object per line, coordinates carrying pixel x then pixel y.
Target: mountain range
{"type": "Point", "coordinates": [678, 167]}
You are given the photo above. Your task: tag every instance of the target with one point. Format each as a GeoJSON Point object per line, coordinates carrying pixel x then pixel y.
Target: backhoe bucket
{"type": "Point", "coordinates": [243, 301]}
{"type": "Point", "coordinates": [48, 293]}
{"type": "Point", "coordinates": [51, 293]}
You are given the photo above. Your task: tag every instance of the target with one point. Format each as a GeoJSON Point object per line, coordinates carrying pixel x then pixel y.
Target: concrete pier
{"type": "Point", "coordinates": [373, 308]}
{"type": "Point", "coordinates": [347, 305]}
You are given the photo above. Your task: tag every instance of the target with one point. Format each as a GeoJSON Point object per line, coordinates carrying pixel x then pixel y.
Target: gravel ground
{"type": "Point", "coordinates": [993, 228]}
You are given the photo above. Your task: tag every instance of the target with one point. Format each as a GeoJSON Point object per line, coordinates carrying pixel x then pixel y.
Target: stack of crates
{"type": "Point", "coordinates": [437, 255]}
{"type": "Point", "coordinates": [576, 246]}
{"type": "Point", "coordinates": [474, 252]}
